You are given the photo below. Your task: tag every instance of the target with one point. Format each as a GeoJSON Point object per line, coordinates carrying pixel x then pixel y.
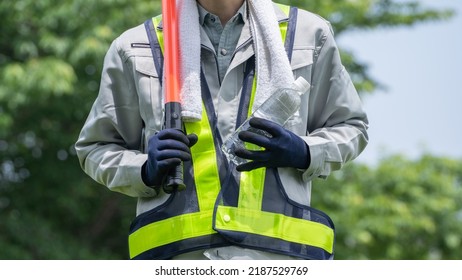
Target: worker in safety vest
{"type": "Point", "coordinates": [234, 54]}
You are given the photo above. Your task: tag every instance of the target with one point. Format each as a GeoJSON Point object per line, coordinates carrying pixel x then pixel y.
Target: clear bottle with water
{"type": "Point", "coordinates": [279, 107]}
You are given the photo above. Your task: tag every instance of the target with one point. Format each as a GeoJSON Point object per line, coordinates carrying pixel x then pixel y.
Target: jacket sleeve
{"type": "Point", "coordinates": [109, 144]}
{"type": "Point", "coordinates": [337, 123]}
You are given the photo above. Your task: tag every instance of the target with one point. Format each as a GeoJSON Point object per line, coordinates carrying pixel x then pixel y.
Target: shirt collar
{"type": "Point", "coordinates": [240, 15]}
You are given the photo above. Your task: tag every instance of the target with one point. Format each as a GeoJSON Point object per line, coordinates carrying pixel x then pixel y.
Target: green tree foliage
{"type": "Point", "coordinates": [51, 55]}
{"type": "Point", "coordinates": [351, 15]}
{"type": "Point", "coordinates": [401, 209]}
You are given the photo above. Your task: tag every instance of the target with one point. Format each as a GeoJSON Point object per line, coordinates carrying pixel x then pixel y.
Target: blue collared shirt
{"type": "Point", "coordinates": [224, 39]}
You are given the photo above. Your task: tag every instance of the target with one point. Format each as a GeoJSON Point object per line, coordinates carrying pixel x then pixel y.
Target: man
{"type": "Point", "coordinates": [233, 58]}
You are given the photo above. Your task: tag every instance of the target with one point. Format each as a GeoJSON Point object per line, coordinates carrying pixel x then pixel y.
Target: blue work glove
{"type": "Point", "coordinates": [283, 149]}
{"type": "Point", "coordinates": [166, 150]}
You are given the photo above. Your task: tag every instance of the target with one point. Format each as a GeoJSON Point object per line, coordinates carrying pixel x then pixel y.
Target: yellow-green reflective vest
{"type": "Point", "coordinates": [220, 206]}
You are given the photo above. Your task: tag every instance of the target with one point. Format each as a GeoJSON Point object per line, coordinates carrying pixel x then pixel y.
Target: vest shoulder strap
{"type": "Point", "coordinates": [155, 44]}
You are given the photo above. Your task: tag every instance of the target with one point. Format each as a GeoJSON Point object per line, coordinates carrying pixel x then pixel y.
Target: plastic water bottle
{"type": "Point", "coordinates": [279, 107]}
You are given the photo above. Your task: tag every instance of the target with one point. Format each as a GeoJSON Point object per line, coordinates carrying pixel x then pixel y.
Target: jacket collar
{"type": "Point", "coordinates": [243, 52]}
{"type": "Point", "coordinates": [280, 15]}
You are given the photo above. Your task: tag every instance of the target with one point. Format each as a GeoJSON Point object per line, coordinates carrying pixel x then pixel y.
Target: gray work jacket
{"type": "Point", "coordinates": [128, 109]}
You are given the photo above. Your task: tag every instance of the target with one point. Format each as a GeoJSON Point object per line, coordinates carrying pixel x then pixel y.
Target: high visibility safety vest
{"type": "Point", "coordinates": [220, 206]}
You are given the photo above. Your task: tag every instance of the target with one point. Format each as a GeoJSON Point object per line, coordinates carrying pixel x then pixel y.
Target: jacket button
{"type": "Point", "coordinates": [226, 218]}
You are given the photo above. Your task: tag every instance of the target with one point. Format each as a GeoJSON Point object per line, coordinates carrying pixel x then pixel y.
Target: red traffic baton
{"type": "Point", "coordinates": [172, 64]}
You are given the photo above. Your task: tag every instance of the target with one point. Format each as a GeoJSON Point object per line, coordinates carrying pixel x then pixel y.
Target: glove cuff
{"type": "Point", "coordinates": [145, 177]}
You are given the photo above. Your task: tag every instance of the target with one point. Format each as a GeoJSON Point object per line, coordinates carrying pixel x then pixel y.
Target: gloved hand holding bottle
{"type": "Point", "coordinates": [282, 148]}
{"type": "Point", "coordinates": [166, 149]}
{"type": "Point", "coordinates": [265, 128]}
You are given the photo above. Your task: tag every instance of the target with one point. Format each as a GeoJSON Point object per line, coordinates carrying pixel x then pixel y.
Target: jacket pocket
{"type": "Point", "coordinates": [145, 65]}
{"type": "Point", "coordinates": [302, 62]}
{"type": "Point", "coordinates": [149, 91]}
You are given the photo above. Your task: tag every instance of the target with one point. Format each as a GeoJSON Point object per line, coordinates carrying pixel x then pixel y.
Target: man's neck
{"type": "Point", "coordinates": [224, 9]}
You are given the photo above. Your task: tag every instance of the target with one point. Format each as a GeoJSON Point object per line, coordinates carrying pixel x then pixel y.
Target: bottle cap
{"type": "Point", "coordinates": [301, 85]}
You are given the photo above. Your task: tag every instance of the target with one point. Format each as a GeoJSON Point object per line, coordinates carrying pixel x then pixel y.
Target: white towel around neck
{"type": "Point", "coordinates": [272, 66]}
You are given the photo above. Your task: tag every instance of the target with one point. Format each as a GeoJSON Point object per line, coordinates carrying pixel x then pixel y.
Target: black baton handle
{"type": "Point", "coordinates": [174, 181]}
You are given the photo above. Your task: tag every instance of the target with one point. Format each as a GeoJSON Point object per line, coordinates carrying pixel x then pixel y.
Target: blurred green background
{"type": "Point", "coordinates": [51, 57]}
